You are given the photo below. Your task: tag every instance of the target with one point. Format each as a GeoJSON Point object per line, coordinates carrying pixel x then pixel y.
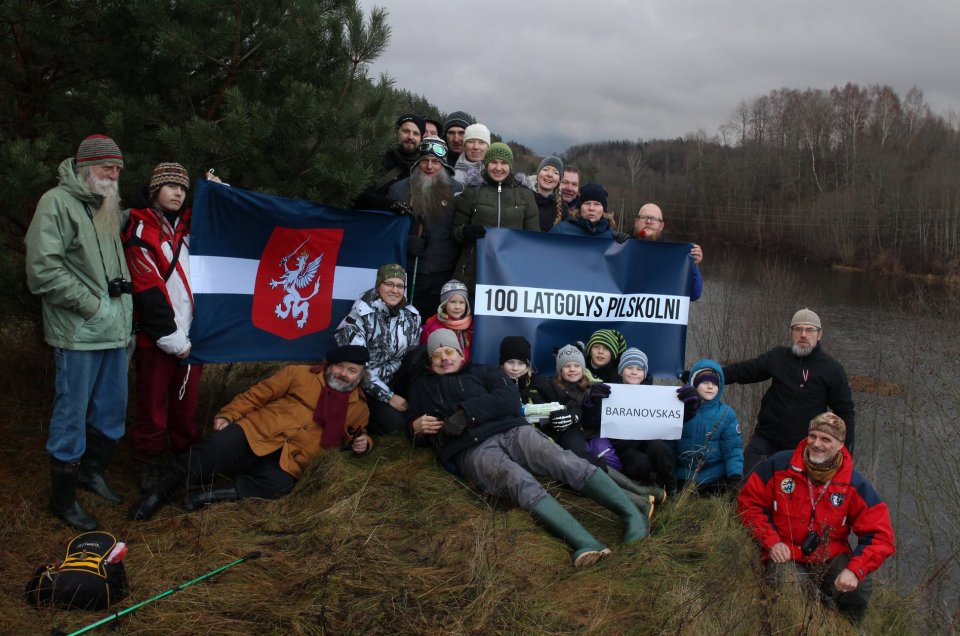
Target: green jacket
{"type": "Point", "coordinates": [68, 267]}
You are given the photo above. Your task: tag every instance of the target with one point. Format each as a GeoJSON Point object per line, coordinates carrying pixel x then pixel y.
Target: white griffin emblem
{"type": "Point", "coordinates": [293, 279]}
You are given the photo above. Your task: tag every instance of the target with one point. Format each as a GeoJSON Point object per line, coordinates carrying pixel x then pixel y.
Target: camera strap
{"type": "Point", "coordinates": [815, 502]}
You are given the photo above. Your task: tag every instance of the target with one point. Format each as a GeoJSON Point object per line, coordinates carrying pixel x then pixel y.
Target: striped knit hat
{"type": "Point", "coordinates": [609, 338]}
{"type": "Point", "coordinates": [98, 149]}
{"type": "Point", "coordinates": [168, 174]}
{"type": "Point", "coordinates": [633, 357]}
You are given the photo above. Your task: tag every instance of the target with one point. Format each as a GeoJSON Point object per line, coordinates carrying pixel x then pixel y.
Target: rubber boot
{"type": "Point", "coordinates": [99, 451]}
{"type": "Point", "coordinates": [151, 473]}
{"type": "Point", "coordinates": [200, 498]}
{"type": "Point", "coordinates": [148, 505]}
{"type": "Point", "coordinates": [63, 495]}
{"type": "Point", "coordinates": [645, 504]}
{"type": "Point", "coordinates": [659, 494]}
{"type": "Point", "coordinates": [586, 549]}
{"type": "Point", "coordinates": [602, 489]}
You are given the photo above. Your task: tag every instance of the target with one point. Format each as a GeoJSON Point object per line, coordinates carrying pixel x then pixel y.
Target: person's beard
{"type": "Point", "coordinates": [429, 196]}
{"type": "Point", "coordinates": [106, 218]}
{"type": "Point", "coordinates": [802, 351]}
{"type": "Point", "coordinates": [340, 385]}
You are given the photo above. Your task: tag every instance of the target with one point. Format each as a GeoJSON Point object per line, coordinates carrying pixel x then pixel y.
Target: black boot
{"type": "Point", "coordinates": [200, 498]}
{"type": "Point", "coordinates": [151, 473]}
{"type": "Point", "coordinates": [99, 451]}
{"type": "Point", "coordinates": [63, 495]}
{"type": "Point", "coordinates": [165, 490]}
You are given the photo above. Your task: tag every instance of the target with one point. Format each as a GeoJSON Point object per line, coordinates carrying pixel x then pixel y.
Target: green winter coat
{"type": "Point", "coordinates": [509, 205]}
{"type": "Point", "coordinates": [68, 267]}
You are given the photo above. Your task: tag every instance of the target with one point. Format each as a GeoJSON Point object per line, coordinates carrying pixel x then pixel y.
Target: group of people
{"type": "Point", "coordinates": [101, 270]}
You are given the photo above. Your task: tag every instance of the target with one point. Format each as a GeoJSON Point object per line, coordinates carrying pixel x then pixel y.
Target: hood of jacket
{"type": "Point", "coordinates": [715, 367]}
{"type": "Point", "coordinates": [69, 179]}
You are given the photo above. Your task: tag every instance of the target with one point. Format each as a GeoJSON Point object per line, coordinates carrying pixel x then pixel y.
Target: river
{"type": "Point", "coordinates": [880, 328]}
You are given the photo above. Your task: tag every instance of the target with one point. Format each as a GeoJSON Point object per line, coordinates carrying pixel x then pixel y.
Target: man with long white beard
{"type": "Point", "coordinates": [75, 264]}
{"type": "Point", "coordinates": [432, 252]}
{"type": "Point", "coordinates": [806, 382]}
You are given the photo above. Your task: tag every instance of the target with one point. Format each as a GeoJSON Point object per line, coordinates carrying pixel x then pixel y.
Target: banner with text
{"type": "Point", "coordinates": [641, 412]}
{"type": "Point", "coordinates": [272, 277]}
{"type": "Point", "coordinates": [556, 290]}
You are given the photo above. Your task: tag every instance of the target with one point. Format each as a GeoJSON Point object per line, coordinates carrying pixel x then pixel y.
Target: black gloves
{"type": "Point", "coordinates": [598, 391]}
{"type": "Point", "coordinates": [402, 208]}
{"type": "Point", "coordinates": [691, 401]}
{"type": "Point", "coordinates": [561, 420]}
{"type": "Point", "coordinates": [621, 237]}
{"type": "Point", "coordinates": [455, 424]}
{"type": "Point", "coordinates": [473, 232]}
{"type": "Point", "coordinates": [416, 245]}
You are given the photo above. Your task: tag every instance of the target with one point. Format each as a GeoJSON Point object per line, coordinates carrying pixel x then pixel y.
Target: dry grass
{"type": "Point", "coordinates": [387, 544]}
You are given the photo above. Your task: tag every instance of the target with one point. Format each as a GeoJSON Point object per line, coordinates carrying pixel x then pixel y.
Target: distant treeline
{"type": "Point", "coordinates": [852, 175]}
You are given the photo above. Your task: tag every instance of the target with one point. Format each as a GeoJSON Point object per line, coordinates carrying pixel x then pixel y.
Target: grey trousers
{"type": "Point", "coordinates": [820, 576]}
{"type": "Point", "coordinates": [508, 464]}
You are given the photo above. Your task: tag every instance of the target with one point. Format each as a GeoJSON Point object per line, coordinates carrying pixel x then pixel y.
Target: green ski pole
{"type": "Point", "coordinates": [134, 608]}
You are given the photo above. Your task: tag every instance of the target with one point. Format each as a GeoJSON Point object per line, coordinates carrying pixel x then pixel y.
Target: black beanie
{"type": "Point", "coordinates": [514, 348]}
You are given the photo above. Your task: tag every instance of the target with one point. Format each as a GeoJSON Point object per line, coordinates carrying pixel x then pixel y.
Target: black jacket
{"type": "Point", "coordinates": [489, 399]}
{"type": "Point", "coordinates": [802, 388]}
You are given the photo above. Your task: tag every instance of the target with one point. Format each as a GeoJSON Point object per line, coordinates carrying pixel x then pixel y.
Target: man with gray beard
{"type": "Point", "coordinates": [75, 263]}
{"type": "Point", "coordinates": [431, 251]}
{"type": "Point", "coordinates": [805, 382]}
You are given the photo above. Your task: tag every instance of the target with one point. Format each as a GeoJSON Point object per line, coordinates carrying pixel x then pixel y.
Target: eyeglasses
{"type": "Point", "coordinates": [807, 331]}
{"type": "Point", "coordinates": [443, 352]}
{"type": "Point", "coordinates": [434, 148]}
{"type": "Point", "coordinates": [397, 286]}
{"type": "Point", "coordinates": [649, 219]}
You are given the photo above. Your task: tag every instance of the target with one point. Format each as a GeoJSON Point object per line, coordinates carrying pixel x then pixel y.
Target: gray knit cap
{"type": "Point", "coordinates": [443, 338]}
{"type": "Point", "coordinates": [450, 289]}
{"type": "Point", "coordinates": [551, 161]}
{"type": "Point", "coordinates": [569, 353]}
{"type": "Point", "coordinates": [633, 356]}
{"type": "Point", "coordinates": [805, 317]}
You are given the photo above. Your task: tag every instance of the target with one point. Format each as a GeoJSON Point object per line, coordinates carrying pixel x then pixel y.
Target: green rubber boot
{"type": "Point", "coordinates": [586, 549]}
{"type": "Point", "coordinates": [607, 493]}
{"type": "Point", "coordinates": [659, 494]}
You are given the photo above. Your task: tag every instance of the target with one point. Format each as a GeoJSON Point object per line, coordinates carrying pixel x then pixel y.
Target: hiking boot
{"type": "Point", "coordinates": [586, 549]}
{"type": "Point", "coordinates": [99, 451]}
{"type": "Point", "coordinates": [63, 495]}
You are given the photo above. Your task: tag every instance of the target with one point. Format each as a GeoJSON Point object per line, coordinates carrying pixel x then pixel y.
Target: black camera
{"type": "Point", "coordinates": [118, 287]}
{"type": "Point", "coordinates": [811, 543]}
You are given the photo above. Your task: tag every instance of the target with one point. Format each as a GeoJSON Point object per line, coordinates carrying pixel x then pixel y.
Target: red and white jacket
{"type": "Point", "coordinates": [775, 506]}
{"type": "Point", "coordinates": [158, 256]}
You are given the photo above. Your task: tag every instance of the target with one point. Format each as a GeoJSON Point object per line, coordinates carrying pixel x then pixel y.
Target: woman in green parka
{"type": "Point", "coordinates": [494, 199]}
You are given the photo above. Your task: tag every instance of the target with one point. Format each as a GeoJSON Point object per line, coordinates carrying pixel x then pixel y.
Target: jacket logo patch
{"type": "Point", "coordinates": [787, 486]}
{"type": "Point", "coordinates": [836, 499]}
{"type": "Point", "coordinates": [293, 293]}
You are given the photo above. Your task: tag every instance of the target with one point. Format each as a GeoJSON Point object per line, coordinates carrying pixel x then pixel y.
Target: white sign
{"type": "Point", "coordinates": [642, 412]}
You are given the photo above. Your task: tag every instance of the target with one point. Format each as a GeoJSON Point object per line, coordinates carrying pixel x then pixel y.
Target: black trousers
{"type": "Point", "coordinates": [227, 453]}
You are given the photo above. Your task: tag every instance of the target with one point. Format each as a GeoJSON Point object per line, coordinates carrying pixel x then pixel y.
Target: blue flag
{"type": "Point", "coordinates": [273, 277]}
{"type": "Point", "coordinates": [555, 290]}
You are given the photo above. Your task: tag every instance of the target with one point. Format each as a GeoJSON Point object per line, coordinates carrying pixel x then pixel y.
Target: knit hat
{"type": "Point", "coordinates": [569, 353]}
{"type": "Point", "coordinates": [357, 354]}
{"type": "Point", "coordinates": [552, 161]}
{"type": "Point", "coordinates": [831, 424]}
{"type": "Point", "coordinates": [705, 375]}
{"type": "Point", "coordinates": [457, 119]}
{"type": "Point", "coordinates": [433, 146]}
{"type": "Point", "coordinates": [98, 149]}
{"type": "Point", "coordinates": [443, 338]}
{"type": "Point", "coordinates": [593, 192]}
{"type": "Point", "coordinates": [515, 348]}
{"type": "Point", "coordinates": [450, 289]}
{"type": "Point", "coordinates": [476, 131]}
{"type": "Point", "coordinates": [168, 174]}
{"type": "Point", "coordinates": [498, 150]}
{"type": "Point", "coordinates": [631, 357]}
{"type": "Point", "coordinates": [391, 270]}
{"type": "Point", "coordinates": [416, 119]}
{"type": "Point", "coordinates": [805, 317]}
{"type": "Point", "coordinates": [609, 338]}
{"type": "Point", "coordinates": [431, 120]}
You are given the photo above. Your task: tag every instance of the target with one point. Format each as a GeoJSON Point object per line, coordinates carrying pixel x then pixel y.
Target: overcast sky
{"type": "Point", "coordinates": [554, 74]}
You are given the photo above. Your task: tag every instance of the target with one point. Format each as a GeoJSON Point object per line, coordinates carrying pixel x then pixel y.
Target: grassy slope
{"type": "Point", "coordinates": [387, 544]}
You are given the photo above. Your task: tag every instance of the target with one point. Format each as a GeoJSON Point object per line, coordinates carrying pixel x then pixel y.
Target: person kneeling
{"type": "Point", "coordinates": [471, 416]}
{"type": "Point", "coordinates": [267, 435]}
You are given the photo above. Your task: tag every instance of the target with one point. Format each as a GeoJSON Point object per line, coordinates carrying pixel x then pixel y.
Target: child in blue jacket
{"type": "Point", "coordinates": [710, 451]}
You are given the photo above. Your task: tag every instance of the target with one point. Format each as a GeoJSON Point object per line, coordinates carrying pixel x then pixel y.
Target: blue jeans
{"type": "Point", "coordinates": [91, 391]}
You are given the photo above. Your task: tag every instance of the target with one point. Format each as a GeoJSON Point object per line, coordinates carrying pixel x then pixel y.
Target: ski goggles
{"type": "Point", "coordinates": [434, 148]}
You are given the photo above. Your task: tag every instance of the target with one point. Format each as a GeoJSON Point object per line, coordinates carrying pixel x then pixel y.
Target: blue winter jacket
{"type": "Point", "coordinates": [579, 226]}
{"type": "Point", "coordinates": [712, 436]}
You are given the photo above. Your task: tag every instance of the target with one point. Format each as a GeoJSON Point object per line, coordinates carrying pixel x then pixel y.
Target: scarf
{"type": "Point", "coordinates": [331, 415]}
{"type": "Point", "coordinates": [822, 473]}
{"type": "Point", "coordinates": [460, 327]}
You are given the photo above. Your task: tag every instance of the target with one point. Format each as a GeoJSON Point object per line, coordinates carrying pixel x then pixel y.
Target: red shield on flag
{"type": "Point", "coordinates": [294, 289]}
